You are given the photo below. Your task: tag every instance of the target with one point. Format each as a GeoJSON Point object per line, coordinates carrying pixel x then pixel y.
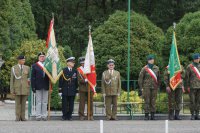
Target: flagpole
{"type": "Point", "coordinates": [174, 24]}
{"type": "Point", "coordinates": [89, 85]}
{"type": "Point", "coordinates": [88, 102]}
{"type": "Point", "coordinates": [50, 88]}
{"type": "Point", "coordinates": [128, 60]}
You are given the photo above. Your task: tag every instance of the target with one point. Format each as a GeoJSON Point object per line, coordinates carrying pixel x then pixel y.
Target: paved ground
{"type": "Point", "coordinates": [8, 125]}
{"type": "Point", "coordinates": [7, 111]}
{"type": "Point", "coordinates": [93, 127]}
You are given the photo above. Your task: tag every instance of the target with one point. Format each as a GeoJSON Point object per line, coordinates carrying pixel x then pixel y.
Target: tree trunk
{"type": "Point", "coordinates": [103, 5]}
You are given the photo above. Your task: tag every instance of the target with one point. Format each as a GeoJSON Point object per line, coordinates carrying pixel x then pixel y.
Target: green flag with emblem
{"type": "Point", "coordinates": [52, 66]}
{"type": "Point", "coordinates": [174, 67]}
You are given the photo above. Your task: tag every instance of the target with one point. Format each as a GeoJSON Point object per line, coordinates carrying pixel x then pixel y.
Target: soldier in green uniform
{"type": "Point", "coordinates": [192, 79]}
{"type": "Point", "coordinates": [174, 96]}
{"type": "Point", "coordinates": [149, 82]}
{"type": "Point", "coordinates": [111, 87]}
{"type": "Point", "coordinates": [19, 86]}
{"type": "Point", "coordinates": [83, 91]}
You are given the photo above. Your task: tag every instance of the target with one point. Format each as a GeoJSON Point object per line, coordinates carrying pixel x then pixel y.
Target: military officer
{"type": "Point", "coordinates": [111, 88]}
{"type": "Point", "coordinates": [19, 86]}
{"type": "Point", "coordinates": [174, 96]}
{"type": "Point", "coordinates": [149, 81]}
{"type": "Point", "coordinates": [68, 85]}
{"type": "Point", "coordinates": [192, 79]}
{"type": "Point", "coordinates": [83, 91]}
{"type": "Point", "coordinates": [40, 86]}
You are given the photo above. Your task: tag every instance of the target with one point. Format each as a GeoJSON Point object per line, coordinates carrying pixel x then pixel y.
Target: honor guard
{"type": "Point", "coordinates": [174, 96]}
{"type": "Point", "coordinates": [192, 79]}
{"type": "Point", "coordinates": [83, 91]}
{"type": "Point", "coordinates": [149, 81]}
{"type": "Point", "coordinates": [19, 86]}
{"type": "Point", "coordinates": [111, 88]}
{"type": "Point", "coordinates": [40, 86]}
{"type": "Point", "coordinates": [68, 85]}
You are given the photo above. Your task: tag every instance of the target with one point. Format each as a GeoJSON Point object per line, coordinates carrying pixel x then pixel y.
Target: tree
{"type": "Point", "coordinates": [72, 18]}
{"type": "Point", "coordinates": [110, 41]}
{"type": "Point", "coordinates": [187, 33]}
{"type": "Point", "coordinates": [67, 52]}
{"type": "Point", "coordinates": [164, 12]}
{"type": "Point", "coordinates": [16, 25]}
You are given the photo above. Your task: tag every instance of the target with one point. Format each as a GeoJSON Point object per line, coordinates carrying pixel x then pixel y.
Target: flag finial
{"type": "Point", "coordinates": [90, 27]}
{"type": "Point", "coordinates": [174, 24]}
{"type": "Point", "coordinates": [52, 15]}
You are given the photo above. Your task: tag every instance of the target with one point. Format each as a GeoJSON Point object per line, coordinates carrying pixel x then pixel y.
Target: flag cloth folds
{"type": "Point", "coordinates": [89, 67]}
{"type": "Point", "coordinates": [174, 67]}
{"type": "Point", "coordinates": [52, 66]}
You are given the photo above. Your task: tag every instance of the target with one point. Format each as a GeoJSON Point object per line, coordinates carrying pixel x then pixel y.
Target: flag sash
{"type": "Point", "coordinates": [80, 70]}
{"type": "Point", "coordinates": [151, 73]}
{"type": "Point", "coordinates": [40, 66]}
{"type": "Point", "coordinates": [196, 71]}
{"type": "Point", "coordinates": [49, 75]}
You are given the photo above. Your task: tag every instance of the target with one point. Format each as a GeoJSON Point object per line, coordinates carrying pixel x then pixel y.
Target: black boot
{"type": "Point", "coordinates": [177, 117]}
{"type": "Point", "coordinates": [171, 114]}
{"type": "Point", "coordinates": [146, 116]}
{"type": "Point", "coordinates": [192, 116]}
{"type": "Point", "coordinates": [197, 115]}
{"type": "Point", "coordinates": [153, 116]}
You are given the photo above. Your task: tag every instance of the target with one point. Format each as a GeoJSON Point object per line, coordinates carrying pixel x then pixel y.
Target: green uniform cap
{"type": "Point", "coordinates": [195, 56]}
{"type": "Point", "coordinates": [150, 57]}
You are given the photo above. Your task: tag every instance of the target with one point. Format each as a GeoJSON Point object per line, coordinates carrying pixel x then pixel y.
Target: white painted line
{"type": "Point", "coordinates": [101, 126]}
{"type": "Point", "coordinates": [166, 126]}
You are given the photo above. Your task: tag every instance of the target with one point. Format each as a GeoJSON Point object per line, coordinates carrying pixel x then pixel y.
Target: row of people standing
{"type": "Point", "coordinates": [149, 83]}
{"type": "Point", "coordinates": [72, 79]}
{"type": "Point", "coordinates": [70, 82]}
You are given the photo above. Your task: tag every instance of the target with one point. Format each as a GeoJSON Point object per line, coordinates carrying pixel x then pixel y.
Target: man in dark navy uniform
{"type": "Point", "coordinates": [40, 86]}
{"type": "Point", "coordinates": [68, 85]}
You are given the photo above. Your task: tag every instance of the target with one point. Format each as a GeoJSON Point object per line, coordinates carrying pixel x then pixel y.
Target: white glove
{"type": "Point", "coordinates": [183, 89]}
{"type": "Point", "coordinates": [104, 95]}
{"type": "Point", "coordinates": [86, 80]}
{"type": "Point", "coordinates": [168, 89]}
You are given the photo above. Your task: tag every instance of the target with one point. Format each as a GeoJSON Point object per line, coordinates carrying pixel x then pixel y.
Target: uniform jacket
{"type": "Point", "coordinates": [19, 80]}
{"type": "Point", "coordinates": [111, 83]}
{"type": "Point", "coordinates": [146, 81]}
{"type": "Point", "coordinates": [68, 82]}
{"type": "Point", "coordinates": [191, 79]}
{"type": "Point", "coordinates": [83, 86]}
{"type": "Point", "coordinates": [39, 80]}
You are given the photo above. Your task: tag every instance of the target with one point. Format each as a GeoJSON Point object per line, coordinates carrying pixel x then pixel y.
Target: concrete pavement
{"type": "Point", "coordinates": [185, 126]}
{"type": "Point", "coordinates": [8, 125]}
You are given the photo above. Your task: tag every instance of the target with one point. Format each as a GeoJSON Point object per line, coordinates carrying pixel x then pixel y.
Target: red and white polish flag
{"type": "Point", "coordinates": [89, 67]}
